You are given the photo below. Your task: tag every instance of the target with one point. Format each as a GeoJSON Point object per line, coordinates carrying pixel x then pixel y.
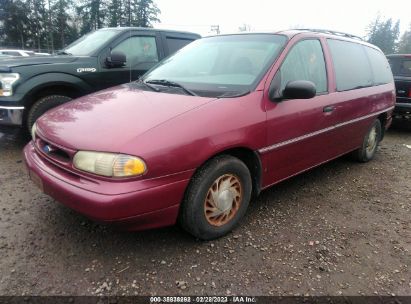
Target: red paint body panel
{"type": "Point", "coordinates": [114, 117]}
{"type": "Point", "coordinates": [161, 195]}
{"type": "Point", "coordinates": [175, 134]}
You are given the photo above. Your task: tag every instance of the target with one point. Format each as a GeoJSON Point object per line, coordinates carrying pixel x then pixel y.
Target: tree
{"type": "Point", "coordinates": [92, 14]}
{"type": "Point", "coordinates": [37, 24]}
{"type": "Point", "coordinates": [146, 13]}
{"type": "Point", "coordinates": [115, 13]}
{"type": "Point", "coordinates": [52, 24]}
{"type": "Point", "coordinates": [384, 34]}
{"type": "Point", "coordinates": [15, 23]}
{"type": "Point", "coordinates": [404, 45]}
{"type": "Point", "coordinates": [63, 30]}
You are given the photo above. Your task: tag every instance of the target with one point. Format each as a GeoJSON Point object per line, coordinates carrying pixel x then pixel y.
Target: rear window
{"type": "Point", "coordinates": [352, 67]}
{"type": "Point", "coordinates": [379, 65]}
{"type": "Point", "coordinates": [400, 66]}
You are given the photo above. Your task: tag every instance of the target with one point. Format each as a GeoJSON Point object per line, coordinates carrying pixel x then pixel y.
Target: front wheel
{"type": "Point", "coordinates": [370, 143]}
{"type": "Point", "coordinates": [42, 105]}
{"type": "Point", "coordinates": [217, 198]}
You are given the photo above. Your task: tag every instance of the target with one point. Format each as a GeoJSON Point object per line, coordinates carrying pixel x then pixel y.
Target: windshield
{"type": "Point", "coordinates": [221, 65]}
{"type": "Point", "coordinates": [88, 44]}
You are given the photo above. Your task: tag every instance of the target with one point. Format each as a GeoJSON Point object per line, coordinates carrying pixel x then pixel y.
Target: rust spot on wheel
{"type": "Point", "coordinates": [223, 200]}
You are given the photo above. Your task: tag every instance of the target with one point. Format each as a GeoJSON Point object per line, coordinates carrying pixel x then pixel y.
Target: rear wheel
{"type": "Point", "coordinates": [42, 105]}
{"type": "Point", "coordinates": [217, 198]}
{"type": "Point", "coordinates": [370, 143]}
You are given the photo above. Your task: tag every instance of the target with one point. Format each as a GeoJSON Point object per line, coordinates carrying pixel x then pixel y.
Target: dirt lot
{"type": "Point", "coordinates": [342, 228]}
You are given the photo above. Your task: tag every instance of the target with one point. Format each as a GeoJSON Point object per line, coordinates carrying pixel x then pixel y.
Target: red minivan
{"type": "Point", "coordinates": [208, 128]}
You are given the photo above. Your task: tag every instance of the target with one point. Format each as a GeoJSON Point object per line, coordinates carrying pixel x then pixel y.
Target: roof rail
{"type": "Point", "coordinates": [331, 32]}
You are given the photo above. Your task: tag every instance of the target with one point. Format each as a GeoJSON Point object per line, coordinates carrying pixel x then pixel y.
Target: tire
{"type": "Point", "coordinates": [198, 213]}
{"type": "Point", "coordinates": [42, 105]}
{"type": "Point", "coordinates": [370, 143]}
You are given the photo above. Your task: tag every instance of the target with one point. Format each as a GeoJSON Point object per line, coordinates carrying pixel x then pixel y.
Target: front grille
{"type": "Point", "coordinates": [55, 153]}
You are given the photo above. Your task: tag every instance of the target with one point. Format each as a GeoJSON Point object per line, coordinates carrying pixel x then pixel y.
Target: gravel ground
{"type": "Point", "coordinates": [341, 229]}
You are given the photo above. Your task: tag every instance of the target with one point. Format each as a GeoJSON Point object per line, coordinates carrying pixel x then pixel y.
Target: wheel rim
{"type": "Point", "coordinates": [223, 200]}
{"type": "Point", "coordinates": [372, 140]}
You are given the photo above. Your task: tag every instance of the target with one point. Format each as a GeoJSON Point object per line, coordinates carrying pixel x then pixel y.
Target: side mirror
{"type": "Point", "coordinates": [299, 89]}
{"type": "Point", "coordinates": [116, 59]}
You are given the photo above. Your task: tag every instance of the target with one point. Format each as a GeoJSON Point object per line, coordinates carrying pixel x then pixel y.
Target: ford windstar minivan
{"type": "Point", "coordinates": [211, 126]}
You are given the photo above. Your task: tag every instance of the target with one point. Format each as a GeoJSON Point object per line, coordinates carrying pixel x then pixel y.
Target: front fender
{"type": "Point", "coordinates": [36, 83]}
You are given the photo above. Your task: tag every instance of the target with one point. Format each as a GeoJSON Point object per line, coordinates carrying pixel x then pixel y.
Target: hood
{"type": "Point", "coordinates": [34, 60]}
{"type": "Point", "coordinates": [108, 120]}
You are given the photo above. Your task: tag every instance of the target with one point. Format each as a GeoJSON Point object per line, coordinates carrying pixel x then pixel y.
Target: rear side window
{"type": "Point", "coordinates": [351, 65]}
{"type": "Point", "coordinates": [305, 61]}
{"type": "Point", "coordinates": [379, 66]}
{"type": "Point", "coordinates": [174, 44]}
{"type": "Point", "coordinates": [400, 66]}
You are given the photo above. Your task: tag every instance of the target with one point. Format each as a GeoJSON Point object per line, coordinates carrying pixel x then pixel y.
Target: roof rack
{"type": "Point", "coordinates": [331, 32]}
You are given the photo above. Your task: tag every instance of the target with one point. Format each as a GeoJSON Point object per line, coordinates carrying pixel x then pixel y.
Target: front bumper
{"type": "Point", "coordinates": [132, 205]}
{"type": "Point", "coordinates": [10, 115]}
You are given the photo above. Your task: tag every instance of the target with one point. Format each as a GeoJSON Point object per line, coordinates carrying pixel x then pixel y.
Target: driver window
{"type": "Point", "coordinates": [305, 61]}
{"type": "Point", "coordinates": [138, 50]}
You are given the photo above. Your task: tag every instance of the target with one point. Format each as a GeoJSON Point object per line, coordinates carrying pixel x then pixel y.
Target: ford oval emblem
{"type": "Point", "coordinates": [47, 149]}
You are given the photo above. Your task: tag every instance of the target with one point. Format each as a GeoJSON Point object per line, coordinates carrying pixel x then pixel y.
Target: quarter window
{"type": "Point", "coordinates": [138, 50]}
{"type": "Point", "coordinates": [305, 61]}
{"type": "Point", "coordinates": [379, 65]}
{"type": "Point", "coordinates": [352, 67]}
{"type": "Point", "coordinates": [174, 44]}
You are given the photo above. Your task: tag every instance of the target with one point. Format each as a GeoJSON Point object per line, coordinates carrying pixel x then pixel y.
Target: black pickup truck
{"type": "Point", "coordinates": [107, 57]}
{"type": "Point", "coordinates": [401, 69]}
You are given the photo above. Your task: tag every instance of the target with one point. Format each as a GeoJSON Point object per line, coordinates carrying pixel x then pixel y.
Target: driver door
{"type": "Point", "coordinates": [300, 131]}
{"type": "Point", "coordinates": [141, 54]}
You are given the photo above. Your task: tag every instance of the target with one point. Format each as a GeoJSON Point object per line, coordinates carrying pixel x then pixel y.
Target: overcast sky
{"type": "Point", "coordinates": [351, 16]}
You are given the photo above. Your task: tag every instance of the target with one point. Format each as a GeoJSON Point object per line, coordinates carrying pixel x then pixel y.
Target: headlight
{"type": "Point", "coordinates": [109, 164]}
{"type": "Point", "coordinates": [7, 80]}
{"type": "Point", "coordinates": [33, 131]}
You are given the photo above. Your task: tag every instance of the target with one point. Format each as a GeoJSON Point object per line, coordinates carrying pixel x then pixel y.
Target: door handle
{"type": "Point", "coordinates": [328, 109]}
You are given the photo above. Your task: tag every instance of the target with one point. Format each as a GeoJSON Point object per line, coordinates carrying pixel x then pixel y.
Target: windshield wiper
{"type": "Point", "coordinates": [232, 95]}
{"type": "Point", "coordinates": [148, 85]}
{"type": "Point", "coordinates": [169, 83]}
{"type": "Point", "coordinates": [63, 53]}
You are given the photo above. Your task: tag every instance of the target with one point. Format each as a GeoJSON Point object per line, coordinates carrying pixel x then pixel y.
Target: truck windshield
{"type": "Point", "coordinates": [89, 43]}
{"type": "Point", "coordinates": [220, 66]}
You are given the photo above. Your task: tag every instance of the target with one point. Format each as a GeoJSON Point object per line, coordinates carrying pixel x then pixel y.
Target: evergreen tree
{"type": "Point", "coordinates": [52, 24]}
{"type": "Point", "coordinates": [15, 23]}
{"type": "Point", "coordinates": [115, 13]}
{"type": "Point", "coordinates": [404, 45]}
{"type": "Point", "coordinates": [92, 14]}
{"type": "Point", "coordinates": [63, 30]}
{"type": "Point", "coordinates": [37, 25]}
{"type": "Point", "coordinates": [384, 34]}
{"type": "Point", "coordinates": [146, 13]}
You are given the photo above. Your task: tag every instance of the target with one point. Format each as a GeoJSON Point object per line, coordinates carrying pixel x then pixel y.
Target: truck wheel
{"type": "Point", "coordinates": [217, 198]}
{"type": "Point", "coordinates": [370, 143]}
{"type": "Point", "coordinates": [42, 105]}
